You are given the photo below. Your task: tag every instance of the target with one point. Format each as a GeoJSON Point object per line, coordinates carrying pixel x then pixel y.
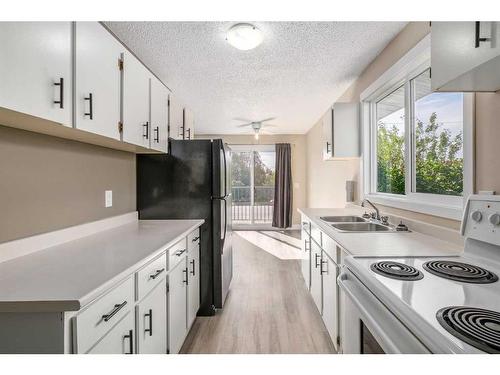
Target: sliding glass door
{"type": "Point", "coordinates": [252, 184]}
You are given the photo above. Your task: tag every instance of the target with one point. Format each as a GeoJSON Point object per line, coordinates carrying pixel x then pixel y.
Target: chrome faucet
{"type": "Point", "coordinates": [377, 215]}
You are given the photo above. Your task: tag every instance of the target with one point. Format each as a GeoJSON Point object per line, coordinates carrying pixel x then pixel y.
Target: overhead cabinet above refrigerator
{"type": "Point", "coordinates": [465, 56]}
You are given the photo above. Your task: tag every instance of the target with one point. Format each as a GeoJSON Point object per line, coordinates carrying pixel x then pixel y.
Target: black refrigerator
{"type": "Point", "coordinates": [193, 182]}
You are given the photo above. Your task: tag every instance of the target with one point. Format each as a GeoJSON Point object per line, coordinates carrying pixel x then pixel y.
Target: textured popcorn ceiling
{"type": "Point", "coordinates": [299, 70]}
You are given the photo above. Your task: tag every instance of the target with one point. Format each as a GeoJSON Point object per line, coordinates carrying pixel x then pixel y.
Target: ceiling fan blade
{"type": "Point", "coordinates": [270, 125]}
{"type": "Point", "coordinates": [267, 119]}
{"type": "Point", "coordinates": [243, 125]}
{"type": "Point", "coordinates": [241, 119]}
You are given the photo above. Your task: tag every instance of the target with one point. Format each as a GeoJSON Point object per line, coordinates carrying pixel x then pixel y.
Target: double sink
{"type": "Point", "coordinates": [355, 224]}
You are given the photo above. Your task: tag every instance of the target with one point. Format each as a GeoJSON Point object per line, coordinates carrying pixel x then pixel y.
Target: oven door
{"type": "Point", "coordinates": [368, 327]}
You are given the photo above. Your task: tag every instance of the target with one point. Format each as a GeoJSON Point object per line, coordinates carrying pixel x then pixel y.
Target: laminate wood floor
{"type": "Point", "coordinates": [268, 310]}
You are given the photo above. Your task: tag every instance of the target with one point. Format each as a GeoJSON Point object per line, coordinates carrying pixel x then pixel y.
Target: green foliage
{"type": "Point", "coordinates": [263, 177]}
{"type": "Point", "coordinates": [439, 169]}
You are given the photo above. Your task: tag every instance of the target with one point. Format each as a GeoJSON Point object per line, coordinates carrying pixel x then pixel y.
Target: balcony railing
{"type": "Point", "coordinates": [262, 210]}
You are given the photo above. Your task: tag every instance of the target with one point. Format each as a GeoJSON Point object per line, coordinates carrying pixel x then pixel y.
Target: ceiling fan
{"type": "Point", "coordinates": [256, 125]}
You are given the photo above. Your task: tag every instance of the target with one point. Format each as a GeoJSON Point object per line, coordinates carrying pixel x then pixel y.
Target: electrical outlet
{"type": "Point", "coordinates": [108, 198]}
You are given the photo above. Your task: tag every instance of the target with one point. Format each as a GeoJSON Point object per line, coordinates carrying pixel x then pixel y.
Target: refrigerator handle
{"type": "Point", "coordinates": [225, 225]}
{"type": "Point", "coordinates": [225, 173]}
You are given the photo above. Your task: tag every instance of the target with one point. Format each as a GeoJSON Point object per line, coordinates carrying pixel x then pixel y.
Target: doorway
{"type": "Point", "coordinates": [253, 169]}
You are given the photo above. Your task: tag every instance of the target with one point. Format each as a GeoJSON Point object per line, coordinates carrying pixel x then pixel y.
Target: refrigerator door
{"type": "Point", "coordinates": [223, 250]}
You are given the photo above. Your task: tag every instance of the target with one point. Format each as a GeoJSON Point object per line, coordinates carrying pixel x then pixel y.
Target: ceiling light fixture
{"type": "Point", "coordinates": [244, 36]}
{"type": "Point", "coordinates": [257, 135]}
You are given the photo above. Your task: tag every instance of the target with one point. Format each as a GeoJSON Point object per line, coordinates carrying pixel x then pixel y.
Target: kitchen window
{"type": "Point", "coordinates": [417, 144]}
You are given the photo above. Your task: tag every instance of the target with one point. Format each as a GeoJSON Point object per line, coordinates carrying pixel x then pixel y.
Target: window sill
{"type": "Point", "coordinates": [441, 210]}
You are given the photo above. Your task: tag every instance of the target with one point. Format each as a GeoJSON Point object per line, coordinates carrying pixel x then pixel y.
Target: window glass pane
{"type": "Point", "coordinates": [391, 143]}
{"type": "Point", "coordinates": [264, 171]}
{"type": "Point", "coordinates": [438, 139]}
{"type": "Point", "coordinates": [241, 186]}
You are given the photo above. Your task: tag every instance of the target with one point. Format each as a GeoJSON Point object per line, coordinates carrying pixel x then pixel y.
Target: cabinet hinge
{"type": "Point", "coordinates": [338, 340]}
{"type": "Point", "coordinates": [120, 126]}
{"type": "Point", "coordinates": [120, 64]}
{"type": "Point", "coordinates": [168, 288]}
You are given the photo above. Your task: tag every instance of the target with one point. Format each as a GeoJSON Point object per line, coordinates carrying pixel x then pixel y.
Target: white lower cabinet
{"type": "Point", "coordinates": [151, 317]}
{"type": "Point", "coordinates": [177, 306]}
{"type": "Point", "coordinates": [120, 340]}
{"type": "Point", "coordinates": [316, 280]}
{"type": "Point", "coordinates": [306, 262]}
{"type": "Point", "coordinates": [330, 297]}
{"type": "Point", "coordinates": [194, 285]}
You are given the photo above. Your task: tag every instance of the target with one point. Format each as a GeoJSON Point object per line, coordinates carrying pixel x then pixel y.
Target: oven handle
{"type": "Point", "coordinates": [378, 313]}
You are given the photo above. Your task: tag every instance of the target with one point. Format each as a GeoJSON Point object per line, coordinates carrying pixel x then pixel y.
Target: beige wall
{"type": "Point", "coordinates": [326, 179]}
{"type": "Point", "coordinates": [48, 183]}
{"type": "Point", "coordinates": [298, 143]}
{"type": "Point", "coordinates": [486, 125]}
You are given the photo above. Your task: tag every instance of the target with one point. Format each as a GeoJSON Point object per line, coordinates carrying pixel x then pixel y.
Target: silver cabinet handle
{"type": "Point", "coordinates": [113, 312]}
{"type": "Point", "coordinates": [155, 275]}
{"type": "Point", "coordinates": [306, 242]}
{"type": "Point", "coordinates": [195, 239]}
{"type": "Point", "coordinates": [322, 271]}
{"type": "Point", "coordinates": [186, 280]}
{"type": "Point", "coordinates": [130, 336]}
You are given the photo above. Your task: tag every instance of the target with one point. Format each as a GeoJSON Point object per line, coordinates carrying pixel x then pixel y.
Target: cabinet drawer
{"type": "Point", "coordinates": [316, 234]}
{"type": "Point", "coordinates": [176, 253]}
{"type": "Point", "coordinates": [193, 240]}
{"type": "Point", "coordinates": [330, 247]}
{"type": "Point", "coordinates": [94, 321]}
{"type": "Point", "coordinates": [150, 275]}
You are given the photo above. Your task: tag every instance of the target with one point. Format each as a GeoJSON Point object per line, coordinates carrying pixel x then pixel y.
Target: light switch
{"type": "Point", "coordinates": [108, 198]}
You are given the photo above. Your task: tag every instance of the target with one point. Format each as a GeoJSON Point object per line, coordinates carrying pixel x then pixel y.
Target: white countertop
{"type": "Point", "coordinates": [66, 277]}
{"type": "Point", "coordinates": [383, 244]}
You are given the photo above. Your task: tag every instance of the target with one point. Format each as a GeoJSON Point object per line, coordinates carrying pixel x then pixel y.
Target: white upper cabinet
{"type": "Point", "coordinates": [36, 69]}
{"type": "Point", "coordinates": [136, 97]}
{"type": "Point", "coordinates": [188, 124]}
{"type": "Point", "coordinates": [175, 118]}
{"type": "Point", "coordinates": [97, 80]}
{"type": "Point", "coordinates": [159, 115]}
{"type": "Point", "coordinates": [341, 132]}
{"type": "Point", "coordinates": [465, 56]}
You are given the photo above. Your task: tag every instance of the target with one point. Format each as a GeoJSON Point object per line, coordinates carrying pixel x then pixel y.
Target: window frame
{"type": "Point", "coordinates": [410, 66]}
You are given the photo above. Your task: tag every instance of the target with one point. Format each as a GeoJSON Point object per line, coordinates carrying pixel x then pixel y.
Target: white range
{"type": "Point", "coordinates": [428, 304]}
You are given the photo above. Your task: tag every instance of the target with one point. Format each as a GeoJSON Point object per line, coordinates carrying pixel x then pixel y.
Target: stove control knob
{"type": "Point", "coordinates": [477, 216]}
{"type": "Point", "coordinates": [495, 219]}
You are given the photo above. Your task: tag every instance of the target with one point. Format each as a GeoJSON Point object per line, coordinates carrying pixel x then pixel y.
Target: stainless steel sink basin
{"type": "Point", "coordinates": [343, 219]}
{"type": "Point", "coordinates": [362, 227]}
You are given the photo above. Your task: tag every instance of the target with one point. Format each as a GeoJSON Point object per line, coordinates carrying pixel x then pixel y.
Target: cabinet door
{"type": "Point", "coordinates": [306, 261]}
{"type": "Point", "coordinates": [159, 115]}
{"type": "Point", "coordinates": [97, 80]}
{"type": "Point", "coordinates": [136, 96]}
{"type": "Point", "coordinates": [194, 285]}
{"type": "Point", "coordinates": [188, 124]}
{"type": "Point", "coordinates": [345, 128]}
{"type": "Point", "coordinates": [330, 299]}
{"type": "Point", "coordinates": [120, 340]}
{"type": "Point", "coordinates": [35, 69]}
{"type": "Point", "coordinates": [459, 63]}
{"type": "Point", "coordinates": [177, 306]}
{"type": "Point", "coordinates": [327, 135]}
{"type": "Point", "coordinates": [316, 281]}
{"type": "Point", "coordinates": [176, 118]}
{"type": "Point", "coordinates": [152, 321]}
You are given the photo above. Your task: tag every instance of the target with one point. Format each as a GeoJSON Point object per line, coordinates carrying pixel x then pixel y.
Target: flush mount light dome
{"type": "Point", "coordinates": [244, 36]}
